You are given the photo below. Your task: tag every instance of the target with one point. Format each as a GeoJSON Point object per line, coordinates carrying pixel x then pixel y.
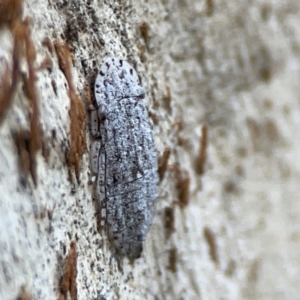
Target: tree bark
{"type": "Point", "coordinates": [222, 89]}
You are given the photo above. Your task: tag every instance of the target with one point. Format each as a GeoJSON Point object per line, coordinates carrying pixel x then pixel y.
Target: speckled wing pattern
{"type": "Point", "coordinates": [124, 157]}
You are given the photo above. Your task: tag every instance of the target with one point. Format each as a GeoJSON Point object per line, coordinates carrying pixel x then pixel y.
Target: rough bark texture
{"type": "Point", "coordinates": [222, 88]}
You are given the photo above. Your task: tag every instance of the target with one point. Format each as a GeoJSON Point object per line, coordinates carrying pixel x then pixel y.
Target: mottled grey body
{"type": "Point", "coordinates": [123, 157]}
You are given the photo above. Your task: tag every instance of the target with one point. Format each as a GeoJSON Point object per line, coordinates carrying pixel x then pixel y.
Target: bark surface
{"type": "Point", "coordinates": [221, 80]}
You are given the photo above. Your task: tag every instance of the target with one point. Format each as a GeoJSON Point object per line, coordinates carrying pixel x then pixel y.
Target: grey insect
{"type": "Point", "coordinates": [124, 157]}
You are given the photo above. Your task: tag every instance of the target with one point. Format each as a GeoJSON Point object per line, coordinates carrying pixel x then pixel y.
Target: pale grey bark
{"type": "Point", "coordinates": [230, 65]}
